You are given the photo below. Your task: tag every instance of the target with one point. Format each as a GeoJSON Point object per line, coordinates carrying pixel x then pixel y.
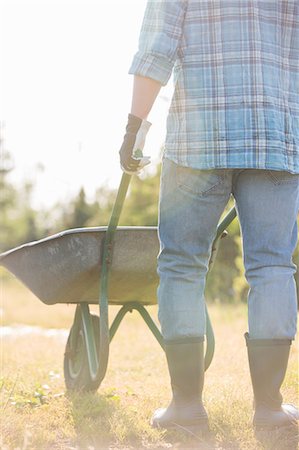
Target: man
{"type": "Point", "coordinates": [232, 129]}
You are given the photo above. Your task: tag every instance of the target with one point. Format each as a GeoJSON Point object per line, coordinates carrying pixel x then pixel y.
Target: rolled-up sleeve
{"type": "Point", "coordinates": [159, 40]}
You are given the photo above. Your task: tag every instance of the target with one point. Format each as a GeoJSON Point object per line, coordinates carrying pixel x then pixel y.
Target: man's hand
{"type": "Point", "coordinates": [131, 158]}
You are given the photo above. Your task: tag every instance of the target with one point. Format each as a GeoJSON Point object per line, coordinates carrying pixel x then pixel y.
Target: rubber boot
{"type": "Point", "coordinates": [185, 361]}
{"type": "Point", "coordinates": [268, 360]}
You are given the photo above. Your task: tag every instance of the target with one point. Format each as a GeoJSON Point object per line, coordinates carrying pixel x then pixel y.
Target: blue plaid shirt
{"type": "Point", "coordinates": [236, 76]}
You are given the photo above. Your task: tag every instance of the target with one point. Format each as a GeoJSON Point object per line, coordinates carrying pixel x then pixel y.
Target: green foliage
{"type": "Point", "coordinates": [141, 206]}
{"type": "Point", "coordinates": [21, 398]}
{"type": "Point", "coordinates": [34, 399]}
{"type": "Point", "coordinates": [19, 222]}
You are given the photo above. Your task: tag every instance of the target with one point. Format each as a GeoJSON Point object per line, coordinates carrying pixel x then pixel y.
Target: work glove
{"type": "Point", "coordinates": [131, 157]}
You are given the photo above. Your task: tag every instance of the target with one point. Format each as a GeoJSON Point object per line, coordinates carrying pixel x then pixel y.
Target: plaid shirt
{"type": "Point", "coordinates": [236, 76]}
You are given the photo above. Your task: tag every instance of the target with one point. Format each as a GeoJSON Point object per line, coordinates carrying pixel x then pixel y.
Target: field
{"type": "Point", "coordinates": [38, 413]}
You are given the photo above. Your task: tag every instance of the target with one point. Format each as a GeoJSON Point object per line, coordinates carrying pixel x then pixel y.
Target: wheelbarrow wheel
{"type": "Point", "coordinates": [76, 370]}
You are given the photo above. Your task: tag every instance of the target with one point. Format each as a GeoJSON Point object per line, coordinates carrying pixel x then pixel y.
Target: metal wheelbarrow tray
{"type": "Point", "coordinates": [66, 267]}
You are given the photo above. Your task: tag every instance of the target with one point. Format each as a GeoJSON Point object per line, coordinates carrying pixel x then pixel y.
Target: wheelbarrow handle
{"type": "Point", "coordinates": [106, 259]}
{"type": "Point", "coordinates": [118, 205]}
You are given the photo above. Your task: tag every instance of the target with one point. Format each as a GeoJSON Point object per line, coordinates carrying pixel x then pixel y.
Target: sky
{"type": "Point", "coordinates": [66, 93]}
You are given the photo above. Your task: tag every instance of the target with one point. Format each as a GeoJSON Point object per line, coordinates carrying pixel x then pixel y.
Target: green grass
{"type": "Point", "coordinates": [37, 412]}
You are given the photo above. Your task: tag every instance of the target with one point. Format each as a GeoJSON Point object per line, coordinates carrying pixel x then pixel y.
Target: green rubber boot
{"type": "Point", "coordinates": [185, 361]}
{"type": "Point", "coordinates": [268, 360]}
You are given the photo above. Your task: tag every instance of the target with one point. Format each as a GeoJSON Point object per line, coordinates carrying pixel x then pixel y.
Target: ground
{"type": "Point", "coordinates": [38, 413]}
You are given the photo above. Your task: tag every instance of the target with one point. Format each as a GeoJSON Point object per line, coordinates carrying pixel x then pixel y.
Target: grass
{"type": "Point", "coordinates": [37, 412]}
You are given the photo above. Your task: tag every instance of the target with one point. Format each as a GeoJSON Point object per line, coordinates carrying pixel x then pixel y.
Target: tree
{"type": "Point", "coordinates": [81, 211]}
{"type": "Point", "coordinates": [18, 219]}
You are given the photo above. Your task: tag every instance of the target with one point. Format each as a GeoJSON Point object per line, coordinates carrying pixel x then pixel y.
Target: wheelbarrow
{"type": "Point", "coordinates": [100, 265]}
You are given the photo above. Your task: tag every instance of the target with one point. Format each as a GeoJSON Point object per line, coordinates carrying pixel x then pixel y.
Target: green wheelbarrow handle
{"type": "Point", "coordinates": [106, 260]}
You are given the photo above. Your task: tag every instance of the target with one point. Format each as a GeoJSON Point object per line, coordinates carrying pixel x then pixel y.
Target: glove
{"type": "Point", "coordinates": [131, 157]}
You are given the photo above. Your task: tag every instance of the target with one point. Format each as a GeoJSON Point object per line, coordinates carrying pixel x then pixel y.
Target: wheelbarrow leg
{"type": "Point", "coordinates": [156, 332]}
{"type": "Point", "coordinates": [129, 307]}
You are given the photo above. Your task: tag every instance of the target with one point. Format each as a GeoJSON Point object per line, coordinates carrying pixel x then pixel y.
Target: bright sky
{"type": "Point", "coordinates": [66, 92]}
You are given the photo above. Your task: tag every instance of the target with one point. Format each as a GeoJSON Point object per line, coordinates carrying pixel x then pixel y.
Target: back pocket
{"type": "Point", "coordinates": [198, 181]}
{"type": "Point", "coordinates": [282, 177]}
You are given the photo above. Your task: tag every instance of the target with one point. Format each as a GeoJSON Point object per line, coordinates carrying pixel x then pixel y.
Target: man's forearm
{"type": "Point", "coordinates": [145, 91]}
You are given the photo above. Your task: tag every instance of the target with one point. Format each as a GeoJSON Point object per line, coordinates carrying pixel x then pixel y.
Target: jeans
{"type": "Point", "coordinates": [191, 203]}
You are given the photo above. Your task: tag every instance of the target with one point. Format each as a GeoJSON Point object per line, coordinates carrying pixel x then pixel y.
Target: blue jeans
{"type": "Point", "coordinates": [191, 203]}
